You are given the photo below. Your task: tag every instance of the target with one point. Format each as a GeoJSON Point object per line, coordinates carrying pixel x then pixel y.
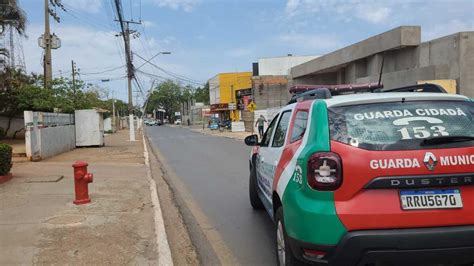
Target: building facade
{"type": "Point", "coordinates": [230, 93]}
{"type": "Point", "coordinates": [448, 61]}
{"type": "Point", "coordinates": [270, 80]}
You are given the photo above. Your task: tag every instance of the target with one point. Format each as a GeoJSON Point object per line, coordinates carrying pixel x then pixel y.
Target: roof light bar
{"type": "Point", "coordinates": [336, 89]}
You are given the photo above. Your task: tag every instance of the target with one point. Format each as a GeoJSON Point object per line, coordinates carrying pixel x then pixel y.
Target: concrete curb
{"type": "Point", "coordinates": [164, 251]}
{"type": "Point", "coordinates": [215, 135]}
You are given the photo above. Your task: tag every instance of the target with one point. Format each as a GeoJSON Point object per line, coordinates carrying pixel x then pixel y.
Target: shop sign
{"type": "Point", "coordinates": [219, 107]}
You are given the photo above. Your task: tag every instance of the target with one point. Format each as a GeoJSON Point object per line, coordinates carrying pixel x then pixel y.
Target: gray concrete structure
{"type": "Point", "coordinates": [407, 61]}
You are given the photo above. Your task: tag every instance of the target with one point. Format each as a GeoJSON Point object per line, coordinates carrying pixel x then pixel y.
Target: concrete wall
{"type": "Point", "coordinates": [17, 124]}
{"type": "Point", "coordinates": [278, 66]}
{"type": "Point", "coordinates": [214, 92]}
{"type": "Point", "coordinates": [466, 64]}
{"type": "Point", "coordinates": [394, 39]}
{"type": "Point", "coordinates": [56, 140]}
{"type": "Point", "coordinates": [108, 124]}
{"type": "Point", "coordinates": [48, 134]}
{"type": "Point", "coordinates": [270, 91]}
{"type": "Point", "coordinates": [447, 58]}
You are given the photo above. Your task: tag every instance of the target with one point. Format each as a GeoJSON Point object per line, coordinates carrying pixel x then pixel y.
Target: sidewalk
{"type": "Point", "coordinates": [39, 224]}
{"type": "Point", "coordinates": [217, 133]}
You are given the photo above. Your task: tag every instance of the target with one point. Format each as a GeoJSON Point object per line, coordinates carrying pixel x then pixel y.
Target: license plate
{"type": "Point", "coordinates": [431, 199]}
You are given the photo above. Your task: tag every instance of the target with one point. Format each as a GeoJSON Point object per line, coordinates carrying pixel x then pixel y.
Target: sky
{"type": "Point", "coordinates": [206, 37]}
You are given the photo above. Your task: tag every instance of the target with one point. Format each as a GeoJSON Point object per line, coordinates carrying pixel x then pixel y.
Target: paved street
{"type": "Point", "coordinates": [215, 170]}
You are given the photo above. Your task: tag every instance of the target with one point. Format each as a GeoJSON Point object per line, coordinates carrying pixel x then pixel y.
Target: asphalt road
{"type": "Point", "coordinates": [215, 171]}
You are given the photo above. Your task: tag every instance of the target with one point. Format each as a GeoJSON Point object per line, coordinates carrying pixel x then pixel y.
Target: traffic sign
{"type": "Point", "coordinates": [252, 107]}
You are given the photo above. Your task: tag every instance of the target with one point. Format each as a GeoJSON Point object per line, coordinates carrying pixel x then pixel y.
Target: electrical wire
{"type": "Point", "coordinates": [176, 76]}
{"type": "Point", "coordinates": [101, 72]}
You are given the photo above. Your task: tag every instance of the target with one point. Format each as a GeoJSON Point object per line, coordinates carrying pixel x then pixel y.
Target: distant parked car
{"type": "Point", "coordinates": [177, 122]}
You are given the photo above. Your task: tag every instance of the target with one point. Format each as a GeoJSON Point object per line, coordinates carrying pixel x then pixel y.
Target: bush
{"type": "Point", "coordinates": [5, 159]}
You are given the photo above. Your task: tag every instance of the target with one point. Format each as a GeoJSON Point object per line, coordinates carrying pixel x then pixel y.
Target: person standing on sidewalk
{"type": "Point", "coordinates": [260, 123]}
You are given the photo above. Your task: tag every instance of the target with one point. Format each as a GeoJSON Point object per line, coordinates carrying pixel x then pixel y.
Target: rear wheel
{"type": "Point", "coordinates": [255, 200]}
{"type": "Point", "coordinates": [283, 251]}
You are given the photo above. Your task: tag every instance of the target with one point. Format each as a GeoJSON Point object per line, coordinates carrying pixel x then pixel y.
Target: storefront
{"type": "Point", "coordinates": [221, 110]}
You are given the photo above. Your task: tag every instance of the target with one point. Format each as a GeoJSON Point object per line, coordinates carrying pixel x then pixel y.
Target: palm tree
{"type": "Point", "coordinates": [11, 15]}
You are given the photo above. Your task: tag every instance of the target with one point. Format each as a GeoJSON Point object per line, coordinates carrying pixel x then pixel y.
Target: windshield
{"type": "Point", "coordinates": [402, 126]}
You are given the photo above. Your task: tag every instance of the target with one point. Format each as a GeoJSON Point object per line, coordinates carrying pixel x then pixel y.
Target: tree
{"type": "Point", "coordinates": [17, 93]}
{"type": "Point", "coordinates": [202, 94]}
{"type": "Point", "coordinates": [11, 15]}
{"type": "Point", "coordinates": [20, 92]}
{"type": "Point", "coordinates": [167, 95]}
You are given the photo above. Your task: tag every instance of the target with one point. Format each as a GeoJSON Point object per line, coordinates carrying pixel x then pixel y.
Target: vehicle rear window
{"type": "Point", "coordinates": [402, 125]}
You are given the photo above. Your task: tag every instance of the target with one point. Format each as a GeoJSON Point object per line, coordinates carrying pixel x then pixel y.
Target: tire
{"type": "Point", "coordinates": [284, 255]}
{"type": "Point", "coordinates": [255, 200]}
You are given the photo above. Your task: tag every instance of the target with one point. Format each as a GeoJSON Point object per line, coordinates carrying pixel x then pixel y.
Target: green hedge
{"type": "Point", "coordinates": [5, 159]}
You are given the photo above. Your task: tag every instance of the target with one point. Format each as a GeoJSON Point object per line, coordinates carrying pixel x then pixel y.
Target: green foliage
{"type": "Point", "coordinates": [167, 95]}
{"type": "Point", "coordinates": [5, 159]}
{"type": "Point", "coordinates": [20, 92]}
{"type": "Point", "coordinates": [12, 15]}
{"type": "Point", "coordinates": [202, 94]}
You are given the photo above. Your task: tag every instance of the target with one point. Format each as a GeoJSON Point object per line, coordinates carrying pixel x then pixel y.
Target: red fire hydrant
{"type": "Point", "coordinates": [81, 180]}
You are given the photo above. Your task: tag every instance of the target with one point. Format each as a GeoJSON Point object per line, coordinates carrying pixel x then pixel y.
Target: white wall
{"type": "Point", "coordinates": [89, 128]}
{"type": "Point", "coordinates": [56, 140]}
{"type": "Point", "coordinates": [45, 141]}
{"type": "Point", "coordinates": [280, 66]}
{"type": "Point", "coordinates": [214, 92]}
{"type": "Point", "coordinates": [108, 124]}
{"type": "Point", "coordinates": [16, 124]}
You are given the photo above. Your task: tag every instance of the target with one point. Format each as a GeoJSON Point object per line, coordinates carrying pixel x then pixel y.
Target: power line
{"type": "Point", "coordinates": [176, 76]}
{"type": "Point", "coordinates": [105, 71]}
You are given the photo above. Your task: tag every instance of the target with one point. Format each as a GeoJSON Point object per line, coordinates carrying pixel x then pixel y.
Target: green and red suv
{"type": "Point", "coordinates": [368, 178]}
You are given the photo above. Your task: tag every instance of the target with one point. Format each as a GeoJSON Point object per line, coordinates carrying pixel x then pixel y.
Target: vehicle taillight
{"type": "Point", "coordinates": [325, 171]}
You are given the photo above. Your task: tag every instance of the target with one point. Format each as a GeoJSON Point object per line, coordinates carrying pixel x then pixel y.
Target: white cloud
{"type": "Point", "coordinates": [148, 24]}
{"type": "Point", "coordinates": [373, 14]}
{"type": "Point", "coordinates": [430, 32]}
{"type": "Point", "coordinates": [186, 5]}
{"type": "Point", "coordinates": [292, 6]}
{"type": "Point", "coordinates": [314, 42]}
{"type": "Point", "coordinates": [92, 50]}
{"type": "Point", "coordinates": [90, 6]}
{"type": "Point", "coordinates": [239, 52]}
{"type": "Point", "coordinates": [371, 11]}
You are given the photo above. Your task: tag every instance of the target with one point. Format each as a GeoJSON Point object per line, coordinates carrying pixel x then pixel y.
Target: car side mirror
{"type": "Point", "coordinates": [251, 140]}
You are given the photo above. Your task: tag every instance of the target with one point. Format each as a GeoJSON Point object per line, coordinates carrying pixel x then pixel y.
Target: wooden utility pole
{"type": "Point", "coordinates": [48, 70]}
{"type": "Point", "coordinates": [126, 32]}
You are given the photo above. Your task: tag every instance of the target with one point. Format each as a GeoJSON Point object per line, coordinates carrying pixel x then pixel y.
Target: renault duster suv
{"type": "Point", "coordinates": [369, 178]}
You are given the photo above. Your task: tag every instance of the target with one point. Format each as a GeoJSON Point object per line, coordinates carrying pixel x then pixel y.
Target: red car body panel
{"type": "Point", "coordinates": [360, 208]}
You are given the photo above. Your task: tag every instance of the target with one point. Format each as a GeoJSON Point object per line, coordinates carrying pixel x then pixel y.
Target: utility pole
{"type": "Point", "coordinates": [48, 70]}
{"type": "Point", "coordinates": [126, 32]}
{"type": "Point", "coordinates": [73, 68]}
{"type": "Point", "coordinates": [114, 122]}
{"type": "Point", "coordinates": [130, 74]}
